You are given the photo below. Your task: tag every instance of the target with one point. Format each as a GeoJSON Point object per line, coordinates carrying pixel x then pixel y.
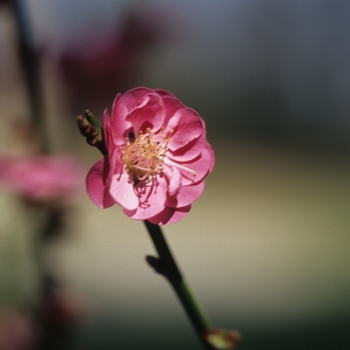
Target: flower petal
{"type": "Point", "coordinates": [149, 113]}
{"type": "Point", "coordinates": [171, 105]}
{"type": "Point", "coordinates": [123, 105]}
{"type": "Point", "coordinates": [96, 184]}
{"type": "Point", "coordinates": [152, 198]}
{"type": "Point", "coordinates": [174, 182]}
{"type": "Point", "coordinates": [134, 108]}
{"type": "Point", "coordinates": [118, 122]}
{"type": "Point", "coordinates": [170, 215]}
{"type": "Point", "coordinates": [187, 126]}
{"type": "Point", "coordinates": [106, 122]}
{"type": "Point", "coordinates": [194, 170]}
{"type": "Point", "coordinates": [166, 94]}
{"type": "Point", "coordinates": [186, 195]}
{"type": "Point", "coordinates": [188, 152]}
{"type": "Point", "coordinates": [211, 153]}
{"type": "Point", "coordinates": [122, 191]}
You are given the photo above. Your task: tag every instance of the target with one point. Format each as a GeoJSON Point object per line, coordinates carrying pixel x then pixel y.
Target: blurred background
{"type": "Point", "coordinates": [266, 247]}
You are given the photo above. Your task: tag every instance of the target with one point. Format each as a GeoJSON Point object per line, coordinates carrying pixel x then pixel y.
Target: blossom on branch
{"type": "Point", "coordinates": [158, 157]}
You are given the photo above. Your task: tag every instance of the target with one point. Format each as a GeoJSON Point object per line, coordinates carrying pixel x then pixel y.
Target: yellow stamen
{"type": "Point", "coordinates": [144, 156]}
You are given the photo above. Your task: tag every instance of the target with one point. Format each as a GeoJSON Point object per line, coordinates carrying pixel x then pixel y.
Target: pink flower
{"type": "Point", "coordinates": [157, 158]}
{"type": "Point", "coordinates": [64, 307]}
{"type": "Point", "coordinates": [16, 331]}
{"type": "Point", "coordinates": [117, 57]}
{"type": "Point", "coordinates": [41, 178]}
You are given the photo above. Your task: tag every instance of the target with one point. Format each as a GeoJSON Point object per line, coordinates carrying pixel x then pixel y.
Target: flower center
{"type": "Point", "coordinates": [144, 155]}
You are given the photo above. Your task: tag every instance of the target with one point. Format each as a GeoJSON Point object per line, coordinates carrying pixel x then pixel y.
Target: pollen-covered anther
{"type": "Point", "coordinates": [143, 158]}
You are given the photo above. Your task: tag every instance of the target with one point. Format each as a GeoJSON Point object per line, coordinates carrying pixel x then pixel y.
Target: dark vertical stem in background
{"type": "Point", "coordinates": [29, 60]}
{"type": "Point", "coordinates": [53, 335]}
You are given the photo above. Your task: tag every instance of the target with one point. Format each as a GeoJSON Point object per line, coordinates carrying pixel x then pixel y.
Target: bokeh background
{"type": "Point", "coordinates": [266, 248]}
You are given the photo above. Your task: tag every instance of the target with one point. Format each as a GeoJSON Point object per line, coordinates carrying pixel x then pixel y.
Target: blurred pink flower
{"type": "Point", "coordinates": [157, 158]}
{"type": "Point", "coordinates": [41, 178]}
{"type": "Point", "coordinates": [105, 61]}
{"type": "Point", "coordinates": [16, 331]}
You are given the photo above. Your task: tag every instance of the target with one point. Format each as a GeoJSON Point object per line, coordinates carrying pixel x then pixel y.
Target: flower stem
{"type": "Point", "coordinates": [166, 266]}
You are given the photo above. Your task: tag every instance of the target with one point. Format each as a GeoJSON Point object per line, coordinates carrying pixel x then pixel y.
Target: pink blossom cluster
{"type": "Point", "coordinates": [41, 178]}
{"type": "Point", "coordinates": [158, 157]}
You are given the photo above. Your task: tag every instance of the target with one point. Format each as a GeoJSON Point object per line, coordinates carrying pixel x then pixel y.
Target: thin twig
{"type": "Point", "coordinates": [167, 266]}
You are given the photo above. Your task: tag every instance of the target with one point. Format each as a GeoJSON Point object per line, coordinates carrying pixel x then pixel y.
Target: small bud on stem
{"type": "Point", "coordinates": [91, 129]}
{"type": "Point", "coordinates": [222, 339]}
